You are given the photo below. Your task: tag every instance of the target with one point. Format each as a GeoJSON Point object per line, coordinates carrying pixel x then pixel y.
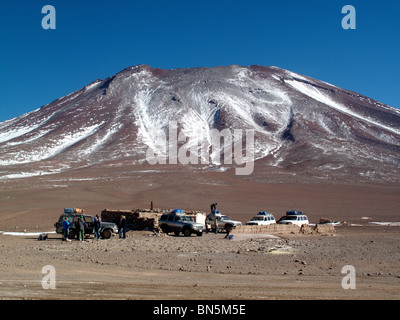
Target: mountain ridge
{"type": "Point", "coordinates": [295, 119]}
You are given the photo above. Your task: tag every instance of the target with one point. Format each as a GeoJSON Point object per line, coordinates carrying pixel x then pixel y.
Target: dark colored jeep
{"type": "Point", "coordinates": [177, 222]}
{"type": "Point", "coordinates": [106, 231]}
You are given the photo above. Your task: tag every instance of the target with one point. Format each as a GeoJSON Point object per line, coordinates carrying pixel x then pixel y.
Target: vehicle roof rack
{"type": "Point", "coordinates": [177, 211]}
{"type": "Point", "coordinates": [293, 213]}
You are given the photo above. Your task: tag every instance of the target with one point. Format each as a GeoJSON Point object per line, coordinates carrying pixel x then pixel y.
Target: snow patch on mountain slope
{"type": "Point", "coordinates": [150, 127]}
{"type": "Point", "coordinates": [22, 128]}
{"type": "Point", "coordinates": [29, 174]}
{"type": "Point", "coordinates": [314, 93]}
{"type": "Point", "coordinates": [18, 131]}
{"type": "Point", "coordinates": [100, 141]}
{"type": "Point", "coordinates": [38, 135]}
{"type": "Point", "coordinates": [51, 149]}
{"type": "Point", "coordinates": [92, 85]}
{"type": "Point", "coordinates": [15, 133]}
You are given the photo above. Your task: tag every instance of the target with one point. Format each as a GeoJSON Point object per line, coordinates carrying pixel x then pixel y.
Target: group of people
{"type": "Point", "coordinates": [80, 226]}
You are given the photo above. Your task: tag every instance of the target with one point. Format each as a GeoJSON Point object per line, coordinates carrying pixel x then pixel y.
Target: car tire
{"type": "Point", "coordinates": [106, 234]}
{"type": "Point", "coordinates": [164, 228]}
{"type": "Point", "coordinates": [177, 233]}
{"type": "Point", "coordinates": [186, 232]}
{"type": "Point", "coordinates": [199, 234]}
{"type": "Point", "coordinates": [71, 234]}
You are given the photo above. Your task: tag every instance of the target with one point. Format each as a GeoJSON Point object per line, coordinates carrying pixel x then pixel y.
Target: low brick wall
{"type": "Point", "coordinates": [276, 228]}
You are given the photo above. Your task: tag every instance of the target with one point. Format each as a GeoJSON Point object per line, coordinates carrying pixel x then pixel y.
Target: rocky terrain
{"type": "Point", "coordinates": [148, 266]}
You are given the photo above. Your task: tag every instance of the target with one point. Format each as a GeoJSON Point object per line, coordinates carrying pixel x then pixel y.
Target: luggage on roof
{"type": "Point", "coordinates": [293, 213]}
{"type": "Point", "coordinates": [73, 210]}
{"type": "Point", "coordinates": [177, 211]}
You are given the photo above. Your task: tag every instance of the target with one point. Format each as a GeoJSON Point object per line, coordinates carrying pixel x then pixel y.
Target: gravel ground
{"type": "Point", "coordinates": [149, 266]}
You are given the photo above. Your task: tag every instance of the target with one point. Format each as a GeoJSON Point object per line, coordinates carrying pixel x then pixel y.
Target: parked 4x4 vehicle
{"type": "Point", "coordinates": [106, 231]}
{"type": "Point", "coordinates": [177, 222]}
{"type": "Point", "coordinates": [223, 222]}
{"type": "Point", "coordinates": [261, 219]}
{"type": "Point", "coordinates": [294, 217]}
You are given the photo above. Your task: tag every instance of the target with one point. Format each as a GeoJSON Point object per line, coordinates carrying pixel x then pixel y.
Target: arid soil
{"type": "Point", "coordinates": [149, 266]}
{"type": "Point", "coordinates": [145, 266]}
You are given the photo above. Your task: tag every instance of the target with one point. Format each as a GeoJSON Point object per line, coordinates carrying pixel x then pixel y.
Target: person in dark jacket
{"type": "Point", "coordinates": [213, 208]}
{"type": "Point", "coordinates": [97, 227]}
{"type": "Point", "coordinates": [81, 229]}
{"type": "Point", "coordinates": [122, 227]}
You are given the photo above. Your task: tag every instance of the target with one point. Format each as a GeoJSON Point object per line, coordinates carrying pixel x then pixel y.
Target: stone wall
{"type": "Point", "coordinates": [277, 229]}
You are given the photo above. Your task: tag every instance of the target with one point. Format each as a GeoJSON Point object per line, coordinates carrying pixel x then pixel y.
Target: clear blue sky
{"type": "Point", "coordinates": [96, 39]}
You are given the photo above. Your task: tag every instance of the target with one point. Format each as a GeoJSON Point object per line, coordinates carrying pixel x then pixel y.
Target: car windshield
{"type": "Point", "coordinates": [289, 218]}
{"type": "Point", "coordinates": [259, 218]}
{"type": "Point", "coordinates": [225, 218]}
{"type": "Point", "coordinates": [186, 219]}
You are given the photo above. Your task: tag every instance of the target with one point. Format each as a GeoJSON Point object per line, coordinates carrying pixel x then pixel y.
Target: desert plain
{"type": "Point", "coordinates": [148, 266]}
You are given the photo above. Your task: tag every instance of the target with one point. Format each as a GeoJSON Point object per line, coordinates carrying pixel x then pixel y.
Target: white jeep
{"type": "Point", "coordinates": [261, 219]}
{"type": "Point", "coordinates": [294, 217]}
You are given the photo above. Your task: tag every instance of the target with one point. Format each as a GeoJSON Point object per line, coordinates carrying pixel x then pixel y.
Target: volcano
{"type": "Point", "coordinates": [302, 127]}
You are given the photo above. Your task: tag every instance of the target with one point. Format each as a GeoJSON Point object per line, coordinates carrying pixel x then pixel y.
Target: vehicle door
{"type": "Point", "coordinates": [178, 223]}
{"type": "Point", "coordinates": [59, 224]}
{"type": "Point", "coordinates": [170, 222]}
{"type": "Point", "coordinates": [210, 221]}
{"type": "Point", "coordinates": [222, 220]}
{"type": "Point", "coordinates": [75, 223]}
{"type": "Point", "coordinates": [89, 224]}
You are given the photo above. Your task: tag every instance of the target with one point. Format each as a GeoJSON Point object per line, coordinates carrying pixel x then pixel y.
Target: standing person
{"type": "Point", "coordinates": [209, 217]}
{"type": "Point", "coordinates": [66, 225]}
{"type": "Point", "coordinates": [97, 227]}
{"type": "Point", "coordinates": [213, 215]}
{"type": "Point", "coordinates": [81, 229]}
{"type": "Point", "coordinates": [122, 227]}
{"type": "Point", "coordinates": [213, 208]}
{"type": "Point", "coordinates": [216, 218]}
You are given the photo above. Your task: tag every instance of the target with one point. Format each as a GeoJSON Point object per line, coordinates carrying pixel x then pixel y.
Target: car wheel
{"type": "Point", "coordinates": [106, 234]}
{"type": "Point", "coordinates": [71, 234]}
{"type": "Point", "coordinates": [186, 232]}
{"type": "Point", "coordinates": [177, 233]}
{"type": "Point", "coordinates": [164, 228]}
{"type": "Point", "coordinates": [199, 234]}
